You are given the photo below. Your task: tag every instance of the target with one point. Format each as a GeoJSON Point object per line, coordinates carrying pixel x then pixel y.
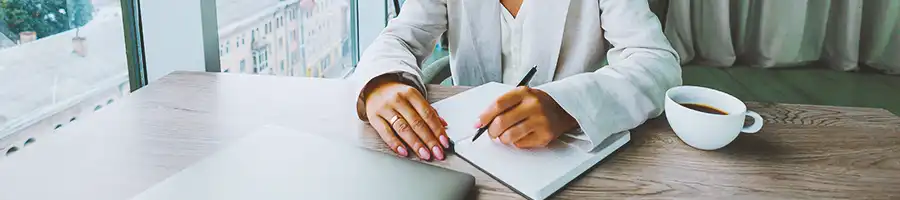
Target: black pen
{"type": "Point", "coordinates": [523, 82]}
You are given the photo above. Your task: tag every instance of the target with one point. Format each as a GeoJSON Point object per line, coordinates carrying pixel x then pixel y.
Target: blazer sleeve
{"type": "Point", "coordinates": [402, 47]}
{"type": "Point", "coordinates": [631, 89]}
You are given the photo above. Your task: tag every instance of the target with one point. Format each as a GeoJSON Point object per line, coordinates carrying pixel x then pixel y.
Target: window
{"type": "Point", "coordinates": [227, 44]}
{"type": "Point", "coordinates": [325, 22]}
{"type": "Point", "coordinates": [243, 63]}
{"type": "Point", "coordinates": [62, 58]}
{"type": "Point", "coordinates": [260, 61]}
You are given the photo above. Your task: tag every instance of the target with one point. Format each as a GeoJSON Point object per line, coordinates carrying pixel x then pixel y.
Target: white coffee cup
{"type": "Point", "coordinates": [704, 130]}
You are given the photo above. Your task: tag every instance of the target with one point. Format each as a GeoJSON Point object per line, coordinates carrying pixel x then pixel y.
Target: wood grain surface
{"type": "Point", "coordinates": [803, 152]}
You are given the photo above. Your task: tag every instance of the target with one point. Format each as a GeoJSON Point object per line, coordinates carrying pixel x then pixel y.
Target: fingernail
{"type": "Point", "coordinates": [445, 141]}
{"type": "Point", "coordinates": [477, 124]}
{"type": "Point", "coordinates": [438, 153]}
{"type": "Point", "coordinates": [444, 122]}
{"type": "Point", "coordinates": [423, 153]}
{"type": "Point", "coordinates": [402, 151]}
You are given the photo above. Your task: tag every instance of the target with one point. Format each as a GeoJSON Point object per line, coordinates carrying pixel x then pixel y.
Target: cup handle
{"type": "Point", "coordinates": [757, 123]}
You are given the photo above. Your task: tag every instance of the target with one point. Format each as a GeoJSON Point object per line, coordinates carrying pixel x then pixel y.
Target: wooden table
{"type": "Point", "coordinates": [803, 151]}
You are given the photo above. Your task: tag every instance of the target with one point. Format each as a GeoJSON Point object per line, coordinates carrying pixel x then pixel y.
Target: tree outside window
{"type": "Point", "coordinates": [81, 14]}
{"type": "Point", "coordinates": [45, 18]}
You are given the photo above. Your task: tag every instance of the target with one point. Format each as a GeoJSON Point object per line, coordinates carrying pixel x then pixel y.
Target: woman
{"type": "Point", "coordinates": [500, 41]}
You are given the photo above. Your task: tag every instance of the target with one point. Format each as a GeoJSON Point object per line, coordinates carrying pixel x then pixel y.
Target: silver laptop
{"type": "Point", "coordinates": [278, 163]}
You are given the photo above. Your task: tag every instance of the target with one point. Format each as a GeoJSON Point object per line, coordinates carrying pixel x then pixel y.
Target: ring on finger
{"type": "Point", "coordinates": [394, 120]}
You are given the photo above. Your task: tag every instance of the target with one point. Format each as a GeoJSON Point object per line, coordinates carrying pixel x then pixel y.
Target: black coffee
{"type": "Point", "coordinates": [704, 108]}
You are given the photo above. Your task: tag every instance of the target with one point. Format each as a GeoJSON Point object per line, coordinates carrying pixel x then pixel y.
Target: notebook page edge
{"type": "Point", "coordinates": [547, 186]}
{"type": "Point", "coordinates": [517, 191]}
{"type": "Point", "coordinates": [570, 176]}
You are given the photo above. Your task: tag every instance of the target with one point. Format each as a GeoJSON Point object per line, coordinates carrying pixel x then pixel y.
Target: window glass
{"type": "Point", "coordinates": [60, 60]}
{"type": "Point", "coordinates": [331, 18]}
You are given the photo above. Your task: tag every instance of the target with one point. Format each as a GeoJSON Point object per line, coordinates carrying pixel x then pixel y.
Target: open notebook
{"type": "Point", "coordinates": [534, 173]}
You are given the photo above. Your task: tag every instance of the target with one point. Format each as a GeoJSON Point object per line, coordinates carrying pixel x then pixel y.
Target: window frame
{"type": "Point", "coordinates": [134, 44]}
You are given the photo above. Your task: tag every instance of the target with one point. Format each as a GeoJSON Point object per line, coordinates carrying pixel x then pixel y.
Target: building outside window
{"type": "Point", "coordinates": [315, 29]}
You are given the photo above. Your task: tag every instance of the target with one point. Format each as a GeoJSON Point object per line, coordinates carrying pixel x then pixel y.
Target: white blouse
{"type": "Point", "coordinates": [514, 67]}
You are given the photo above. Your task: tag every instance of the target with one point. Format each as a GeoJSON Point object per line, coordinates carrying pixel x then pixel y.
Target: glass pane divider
{"type": "Point", "coordinates": [134, 44]}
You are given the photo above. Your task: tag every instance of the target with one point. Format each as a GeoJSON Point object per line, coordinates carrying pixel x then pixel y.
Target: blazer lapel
{"type": "Point", "coordinates": [482, 26]}
{"type": "Point", "coordinates": [542, 34]}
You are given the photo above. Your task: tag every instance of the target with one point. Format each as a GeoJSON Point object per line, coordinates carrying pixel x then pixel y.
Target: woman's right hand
{"type": "Point", "coordinates": [396, 109]}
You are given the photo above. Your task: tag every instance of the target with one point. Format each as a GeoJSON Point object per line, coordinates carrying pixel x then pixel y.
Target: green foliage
{"type": "Point", "coordinates": [81, 12]}
{"type": "Point", "coordinates": [46, 17]}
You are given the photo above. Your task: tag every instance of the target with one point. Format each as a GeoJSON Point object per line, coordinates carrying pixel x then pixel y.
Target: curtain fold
{"type": "Point", "coordinates": [786, 33]}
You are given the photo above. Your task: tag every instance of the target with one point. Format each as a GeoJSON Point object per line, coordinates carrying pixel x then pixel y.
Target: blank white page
{"type": "Point", "coordinates": [536, 173]}
{"type": "Point", "coordinates": [461, 111]}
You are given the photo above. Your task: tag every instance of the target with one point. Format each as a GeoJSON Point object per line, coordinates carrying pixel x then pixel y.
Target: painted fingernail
{"type": "Point", "coordinates": [402, 151]}
{"type": "Point", "coordinates": [423, 153]}
{"type": "Point", "coordinates": [444, 122]}
{"type": "Point", "coordinates": [445, 141]}
{"type": "Point", "coordinates": [477, 124]}
{"type": "Point", "coordinates": [437, 152]}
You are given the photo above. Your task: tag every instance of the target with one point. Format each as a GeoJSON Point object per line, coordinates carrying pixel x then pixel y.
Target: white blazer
{"type": "Point", "coordinates": [564, 38]}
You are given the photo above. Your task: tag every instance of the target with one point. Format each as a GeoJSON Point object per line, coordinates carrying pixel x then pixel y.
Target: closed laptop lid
{"type": "Point", "coordinates": [278, 163]}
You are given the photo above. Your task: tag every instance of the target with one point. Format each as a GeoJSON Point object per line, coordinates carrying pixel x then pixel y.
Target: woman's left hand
{"type": "Point", "coordinates": [527, 118]}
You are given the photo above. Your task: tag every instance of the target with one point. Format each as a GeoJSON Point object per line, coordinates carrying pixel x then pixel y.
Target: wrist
{"type": "Point", "coordinates": [563, 121]}
{"type": "Point", "coordinates": [375, 84]}
{"type": "Point", "coordinates": [386, 80]}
